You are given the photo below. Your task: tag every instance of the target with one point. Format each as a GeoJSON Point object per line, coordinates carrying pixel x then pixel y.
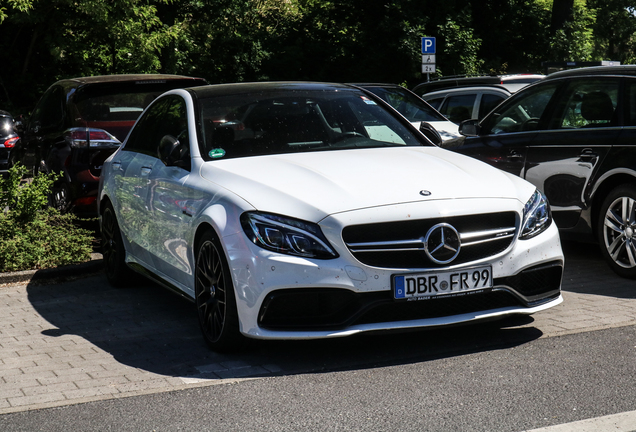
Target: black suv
{"type": "Point", "coordinates": [79, 122]}
{"type": "Point", "coordinates": [573, 135]}
{"type": "Point", "coordinates": [9, 137]}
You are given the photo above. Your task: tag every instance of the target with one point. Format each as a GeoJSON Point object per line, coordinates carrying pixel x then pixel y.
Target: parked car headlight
{"type": "Point", "coordinates": [286, 235]}
{"type": "Point", "coordinates": [536, 216]}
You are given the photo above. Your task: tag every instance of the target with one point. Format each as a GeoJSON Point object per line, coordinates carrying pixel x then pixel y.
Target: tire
{"type": "Point", "coordinates": [214, 297]}
{"type": "Point", "coordinates": [60, 197]}
{"type": "Point", "coordinates": [114, 254]}
{"type": "Point", "coordinates": [616, 230]}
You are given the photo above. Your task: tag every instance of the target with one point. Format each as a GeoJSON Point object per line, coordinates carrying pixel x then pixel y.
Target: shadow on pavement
{"type": "Point", "coordinates": [149, 328]}
{"type": "Point", "coordinates": [587, 273]}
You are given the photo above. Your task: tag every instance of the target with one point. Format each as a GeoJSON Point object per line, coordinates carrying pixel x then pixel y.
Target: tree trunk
{"type": "Point", "coordinates": [562, 12]}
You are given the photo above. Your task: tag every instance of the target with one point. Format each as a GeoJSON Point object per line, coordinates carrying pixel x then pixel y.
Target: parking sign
{"type": "Point", "coordinates": [428, 45]}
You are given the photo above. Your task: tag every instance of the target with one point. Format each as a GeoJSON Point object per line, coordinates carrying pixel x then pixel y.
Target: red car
{"type": "Point", "coordinates": [79, 122]}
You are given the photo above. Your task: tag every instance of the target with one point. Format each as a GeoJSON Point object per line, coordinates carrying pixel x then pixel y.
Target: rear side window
{"type": "Point", "coordinates": [459, 108]}
{"type": "Point", "coordinates": [435, 103]}
{"type": "Point", "coordinates": [630, 117]}
{"type": "Point", "coordinates": [587, 103]}
{"type": "Point", "coordinates": [49, 112]}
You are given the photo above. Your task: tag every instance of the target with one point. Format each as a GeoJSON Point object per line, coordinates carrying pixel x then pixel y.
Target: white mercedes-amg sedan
{"type": "Point", "coordinates": [310, 210]}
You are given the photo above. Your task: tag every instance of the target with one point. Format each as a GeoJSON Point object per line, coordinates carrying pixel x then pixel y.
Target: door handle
{"type": "Point", "coordinates": [145, 170]}
{"type": "Point", "coordinates": [116, 165]}
{"type": "Point", "coordinates": [512, 154]}
{"type": "Point", "coordinates": [587, 155]}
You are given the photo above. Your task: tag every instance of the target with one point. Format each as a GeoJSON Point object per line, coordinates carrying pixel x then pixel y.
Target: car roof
{"type": "Point", "coordinates": [384, 85]}
{"type": "Point", "coordinates": [272, 86]}
{"type": "Point", "coordinates": [127, 78]}
{"type": "Point", "coordinates": [470, 89]}
{"type": "Point", "coordinates": [629, 70]}
{"type": "Point", "coordinates": [463, 81]}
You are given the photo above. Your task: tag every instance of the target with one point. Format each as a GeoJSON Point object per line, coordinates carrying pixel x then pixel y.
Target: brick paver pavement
{"type": "Point", "coordinates": [82, 340]}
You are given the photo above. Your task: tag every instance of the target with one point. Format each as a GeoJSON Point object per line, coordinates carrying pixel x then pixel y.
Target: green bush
{"type": "Point", "coordinates": [32, 235]}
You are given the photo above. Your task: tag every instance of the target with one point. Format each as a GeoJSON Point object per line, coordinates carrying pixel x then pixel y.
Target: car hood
{"type": "Point", "coordinates": [447, 129]}
{"type": "Point", "coordinates": [314, 185]}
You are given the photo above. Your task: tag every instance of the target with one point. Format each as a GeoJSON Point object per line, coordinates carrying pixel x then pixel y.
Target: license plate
{"type": "Point", "coordinates": [423, 286]}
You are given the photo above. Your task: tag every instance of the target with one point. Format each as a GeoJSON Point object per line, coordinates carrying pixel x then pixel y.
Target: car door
{"type": "Point", "coordinates": [566, 156]}
{"type": "Point", "coordinates": [132, 166]}
{"type": "Point", "coordinates": [623, 156]}
{"type": "Point", "coordinates": [169, 199]}
{"type": "Point", "coordinates": [507, 132]}
{"type": "Point", "coordinates": [44, 132]}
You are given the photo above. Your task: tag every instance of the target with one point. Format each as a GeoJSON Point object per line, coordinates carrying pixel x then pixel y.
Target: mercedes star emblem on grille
{"type": "Point", "coordinates": [442, 243]}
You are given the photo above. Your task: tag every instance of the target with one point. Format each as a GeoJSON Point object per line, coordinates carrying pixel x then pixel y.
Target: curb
{"type": "Point", "coordinates": [95, 265]}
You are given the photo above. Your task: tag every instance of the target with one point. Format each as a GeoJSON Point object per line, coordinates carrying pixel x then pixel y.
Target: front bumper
{"type": "Point", "coordinates": [285, 297]}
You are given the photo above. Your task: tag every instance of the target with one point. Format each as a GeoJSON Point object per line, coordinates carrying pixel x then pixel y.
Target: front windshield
{"type": "Point", "coordinates": [297, 121]}
{"type": "Point", "coordinates": [408, 104]}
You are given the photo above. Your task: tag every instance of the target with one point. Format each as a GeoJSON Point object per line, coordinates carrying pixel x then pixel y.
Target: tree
{"type": "Point", "coordinates": [63, 38]}
{"type": "Point", "coordinates": [614, 30]}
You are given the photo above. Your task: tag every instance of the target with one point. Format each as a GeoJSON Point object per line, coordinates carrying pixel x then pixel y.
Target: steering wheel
{"type": "Point", "coordinates": [534, 121]}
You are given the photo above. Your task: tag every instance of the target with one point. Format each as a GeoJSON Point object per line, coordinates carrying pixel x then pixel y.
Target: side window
{"type": "Point", "coordinates": [523, 112]}
{"type": "Point", "coordinates": [49, 112]}
{"type": "Point", "coordinates": [589, 103]}
{"type": "Point", "coordinates": [459, 108]}
{"type": "Point", "coordinates": [488, 103]}
{"type": "Point", "coordinates": [166, 118]}
{"type": "Point", "coordinates": [630, 116]}
{"type": "Point", "coordinates": [435, 103]}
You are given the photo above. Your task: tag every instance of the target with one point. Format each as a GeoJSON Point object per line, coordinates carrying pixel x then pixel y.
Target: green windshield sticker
{"type": "Point", "coordinates": [216, 153]}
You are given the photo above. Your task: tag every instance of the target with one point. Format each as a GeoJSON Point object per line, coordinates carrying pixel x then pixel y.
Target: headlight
{"type": "Point", "coordinates": [536, 216]}
{"type": "Point", "coordinates": [286, 235]}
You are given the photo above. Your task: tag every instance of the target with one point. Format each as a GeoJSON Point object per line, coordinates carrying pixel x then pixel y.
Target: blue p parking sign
{"type": "Point", "coordinates": [428, 45]}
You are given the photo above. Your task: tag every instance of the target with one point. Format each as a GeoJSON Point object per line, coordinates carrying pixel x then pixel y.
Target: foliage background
{"type": "Point", "coordinates": [33, 236]}
{"type": "Point", "coordinates": [42, 41]}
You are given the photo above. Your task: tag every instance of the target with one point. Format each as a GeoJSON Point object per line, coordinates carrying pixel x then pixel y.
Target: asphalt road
{"type": "Point", "coordinates": [487, 388]}
{"type": "Point", "coordinates": [513, 375]}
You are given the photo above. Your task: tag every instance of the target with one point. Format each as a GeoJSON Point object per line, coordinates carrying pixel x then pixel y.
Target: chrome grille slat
{"type": "Point", "coordinates": [393, 245]}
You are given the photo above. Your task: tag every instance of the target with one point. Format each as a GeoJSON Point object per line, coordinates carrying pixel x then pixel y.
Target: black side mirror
{"type": "Point", "coordinates": [431, 133]}
{"type": "Point", "coordinates": [470, 128]}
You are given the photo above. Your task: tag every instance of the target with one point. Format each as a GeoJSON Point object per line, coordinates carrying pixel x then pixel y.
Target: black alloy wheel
{"type": "Point", "coordinates": [214, 296]}
{"type": "Point", "coordinates": [616, 230]}
{"type": "Point", "coordinates": [114, 254]}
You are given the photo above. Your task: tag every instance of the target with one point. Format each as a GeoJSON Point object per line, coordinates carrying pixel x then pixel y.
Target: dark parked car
{"type": "Point", "coordinates": [573, 135]}
{"type": "Point", "coordinates": [9, 137]}
{"type": "Point", "coordinates": [79, 122]}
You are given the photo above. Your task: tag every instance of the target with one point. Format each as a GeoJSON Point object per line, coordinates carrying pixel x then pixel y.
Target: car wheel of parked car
{"type": "Point", "coordinates": [214, 296]}
{"type": "Point", "coordinates": [60, 197]}
{"type": "Point", "coordinates": [114, 255]}
{"type": "Point", "coordinates": [617, 230]}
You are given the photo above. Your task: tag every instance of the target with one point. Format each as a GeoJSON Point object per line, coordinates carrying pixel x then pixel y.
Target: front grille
{"type": "Point", "coordinates": [401, 244]}
{"type": "Point", "coordinates": [334, 309]}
